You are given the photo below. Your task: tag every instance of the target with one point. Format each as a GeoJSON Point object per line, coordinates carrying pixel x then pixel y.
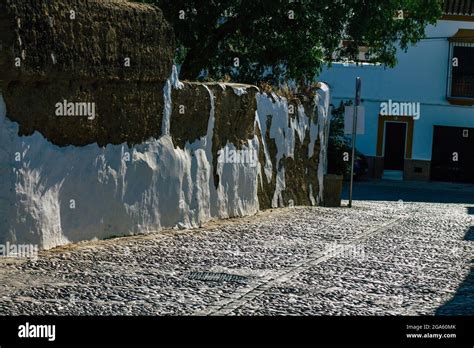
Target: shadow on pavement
{"type": "Point", "coordinates": [462, 302]}
{"type": "Point", "coordinates": [470, 235]}
{"type": "Point", "coordinates": [412, 191]}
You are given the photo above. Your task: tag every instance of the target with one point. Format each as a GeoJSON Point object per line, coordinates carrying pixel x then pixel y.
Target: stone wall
{"type": "Point", "coordinates": [115, 54]}
{"type": "Point", "coordinates": [91, 43]}
{"type": "Point", "coordinates": [158, 153]}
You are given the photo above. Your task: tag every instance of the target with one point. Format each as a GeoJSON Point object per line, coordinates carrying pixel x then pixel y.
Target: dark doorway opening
{"type": "Point", "coordinates": [395, 140]}
{"type": "Point", "coordinates": [452, 157]}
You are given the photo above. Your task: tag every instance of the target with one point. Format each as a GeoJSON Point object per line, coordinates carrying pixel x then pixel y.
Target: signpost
{"type": "Point", "coordinates": [354, 134]}
{"type": "Point", "coordinates": [349, 118]}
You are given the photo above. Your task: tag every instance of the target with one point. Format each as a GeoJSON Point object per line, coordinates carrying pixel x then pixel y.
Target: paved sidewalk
{"type": "Point", "coordinates": [379, 258]}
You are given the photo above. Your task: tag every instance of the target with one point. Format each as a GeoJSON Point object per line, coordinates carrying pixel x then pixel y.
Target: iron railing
{"type": "Point", "coordinates": [460, 81]}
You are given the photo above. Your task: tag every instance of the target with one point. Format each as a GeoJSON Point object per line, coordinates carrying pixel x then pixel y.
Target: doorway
{"type": "Point", "coordinates": [453, 154]}
{"type": "Point", "coordinates": [395, 144]}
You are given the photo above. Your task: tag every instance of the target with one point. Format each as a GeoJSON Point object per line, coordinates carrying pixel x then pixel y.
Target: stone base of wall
{"type": "Point", "coordinates": [417, 170]}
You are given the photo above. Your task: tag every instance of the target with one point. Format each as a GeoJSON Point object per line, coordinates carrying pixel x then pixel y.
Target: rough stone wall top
{"type": "Point", "coordinates": [50, 42]}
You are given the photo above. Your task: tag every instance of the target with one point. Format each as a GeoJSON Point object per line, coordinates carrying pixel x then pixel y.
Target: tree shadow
{"type": "Point", "coordinates": [469, 234]}
{"type": "Point", "coordinates": [462, 302]}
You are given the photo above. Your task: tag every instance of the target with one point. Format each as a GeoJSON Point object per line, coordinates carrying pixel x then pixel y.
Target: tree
{"type": "Point", "coordinates": [275, 40]}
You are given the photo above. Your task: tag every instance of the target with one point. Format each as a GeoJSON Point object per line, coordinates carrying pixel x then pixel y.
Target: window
{"type": "Point", "coordinates": [461, 71]}
{"type": "Point", "coordinates": [462, 84]}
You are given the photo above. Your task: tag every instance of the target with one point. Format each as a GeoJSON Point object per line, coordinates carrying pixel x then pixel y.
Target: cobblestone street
{"type": "Point", "coordinates": [378, 258]}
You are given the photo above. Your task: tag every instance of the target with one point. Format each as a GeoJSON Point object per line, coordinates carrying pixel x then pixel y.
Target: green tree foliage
{"type": "Point", "coordinates": [289, 38]}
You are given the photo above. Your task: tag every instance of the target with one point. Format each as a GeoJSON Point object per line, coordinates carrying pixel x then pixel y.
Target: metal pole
{"type": "Point", "coordinates": [354, 135]}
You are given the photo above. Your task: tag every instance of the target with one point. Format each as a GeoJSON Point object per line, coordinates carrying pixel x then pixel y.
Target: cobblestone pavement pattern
{"type": "Point", "coordinates": [379, 258]}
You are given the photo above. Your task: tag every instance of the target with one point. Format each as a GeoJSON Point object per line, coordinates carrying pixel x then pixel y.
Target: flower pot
{"type": "Point", "coordinates": [332, 190]}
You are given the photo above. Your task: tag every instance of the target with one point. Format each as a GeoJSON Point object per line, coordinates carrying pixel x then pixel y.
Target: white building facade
{"type": "Point", "coordinates": [437, 73]}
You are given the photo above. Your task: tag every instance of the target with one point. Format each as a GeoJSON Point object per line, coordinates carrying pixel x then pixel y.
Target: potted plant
{"type": "Point", "coordinates": [338, 164]}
